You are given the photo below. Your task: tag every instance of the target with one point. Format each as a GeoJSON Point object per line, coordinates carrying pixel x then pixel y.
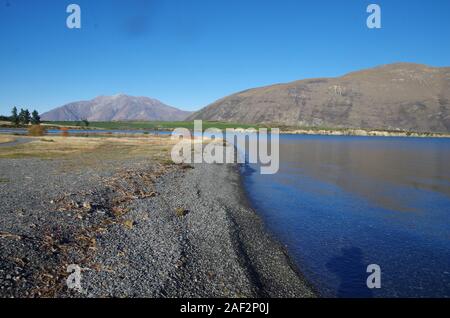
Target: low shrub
{"type": "Point", "coordinates": [36, 130]}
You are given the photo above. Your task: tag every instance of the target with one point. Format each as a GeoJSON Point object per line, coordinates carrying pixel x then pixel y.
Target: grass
{"type": "Point", "coordinates": [152, 125]}
{"type": "Point", "coordinates": [4, 180]}
{"type": "Point", "coordinates": [92, 150]}
{"type": "Point", "coordinates": [36, 130]}
{"type": "Point", "coordinates": [5, 139]}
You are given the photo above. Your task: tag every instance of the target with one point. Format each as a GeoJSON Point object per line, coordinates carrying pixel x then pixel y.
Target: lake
{"type": "Point", "coordinates": [341, 203]}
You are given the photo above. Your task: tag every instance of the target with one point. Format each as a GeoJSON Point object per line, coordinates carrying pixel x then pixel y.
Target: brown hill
{"type": "Point", "coordinates": [398, 96]}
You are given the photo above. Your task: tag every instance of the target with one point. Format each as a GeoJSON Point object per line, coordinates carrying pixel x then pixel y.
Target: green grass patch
{"type": "Point", "coordinates": [154, 125]}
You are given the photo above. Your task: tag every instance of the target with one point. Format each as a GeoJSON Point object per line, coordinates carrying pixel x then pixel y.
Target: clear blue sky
{"type": "Point", "coordinates": [188, 53]}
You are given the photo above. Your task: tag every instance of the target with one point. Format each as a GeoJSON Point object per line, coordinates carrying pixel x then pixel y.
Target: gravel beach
{"type": "Point", "coordinates": [136, 229]}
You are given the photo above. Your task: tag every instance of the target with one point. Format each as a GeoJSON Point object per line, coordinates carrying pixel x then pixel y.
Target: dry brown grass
{"type": "Point", "coordinates": [36, 130]}
{"type": "Point", "coordinates": [91, 148]}
{"type": "Point", "coordinates": [5, 139]}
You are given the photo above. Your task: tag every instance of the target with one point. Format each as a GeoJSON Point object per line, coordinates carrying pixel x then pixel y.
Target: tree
{"type": "Point", "coordinates": [14, 116]}
{"type": "Point", "coordinates": [27, 117]}
{"type": "Point", "coordinates": [85, 122]}
{"type": "Point", "coordinates": [35, 118]}
{"type": "Point", "coordinates": [22, 116]}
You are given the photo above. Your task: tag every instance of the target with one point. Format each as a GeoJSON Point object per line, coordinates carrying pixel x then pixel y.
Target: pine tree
{"type": "Point", "coordinates": [27, 117]}
{"type": "Point", "coordinates": [22, 116]}
{"type": "Point", "coordinates": [35, 118]}
{"type": "Point", "coordinates": [14, 116]}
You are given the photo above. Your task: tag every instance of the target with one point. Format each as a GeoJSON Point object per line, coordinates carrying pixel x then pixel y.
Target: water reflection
{"type": "Point", "coordinates": [341, 203]}
{"type": "Point", "coordinates": [373, 168]}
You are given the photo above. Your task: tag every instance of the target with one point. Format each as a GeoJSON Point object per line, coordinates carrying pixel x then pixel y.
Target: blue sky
{"type": "Point", "coordinates": [188, 53]}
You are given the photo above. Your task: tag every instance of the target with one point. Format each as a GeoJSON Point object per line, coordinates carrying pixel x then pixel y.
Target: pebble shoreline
{"type": "Point", "coordinates": [184, 232]}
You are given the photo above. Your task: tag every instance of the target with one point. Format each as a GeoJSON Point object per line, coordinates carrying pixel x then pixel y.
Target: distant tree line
{"type": "Point", "coordinates": [24, 117]}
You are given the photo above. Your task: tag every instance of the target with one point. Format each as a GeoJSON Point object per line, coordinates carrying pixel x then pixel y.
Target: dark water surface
{"type": "Point", "coordinates": [342, 203]}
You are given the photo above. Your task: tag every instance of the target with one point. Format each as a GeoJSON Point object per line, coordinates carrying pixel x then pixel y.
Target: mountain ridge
{"type": "Point", "coordinates": [119, 107]}
{"type": "Point", "coordinates": [400, 96]}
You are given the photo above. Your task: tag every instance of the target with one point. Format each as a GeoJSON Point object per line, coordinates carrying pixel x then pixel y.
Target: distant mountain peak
{"type": "Point", "coordinates": [119, 107]}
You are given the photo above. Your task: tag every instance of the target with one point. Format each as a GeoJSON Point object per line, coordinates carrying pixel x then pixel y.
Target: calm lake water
{"type": "Point", "coordinates": [342, 203]}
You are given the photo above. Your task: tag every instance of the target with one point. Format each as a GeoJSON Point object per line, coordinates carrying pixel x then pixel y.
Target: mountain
{"type": "Point", "coordinates": [398, 96]}
{"type": "Point", "coordinates": [116, 108]}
